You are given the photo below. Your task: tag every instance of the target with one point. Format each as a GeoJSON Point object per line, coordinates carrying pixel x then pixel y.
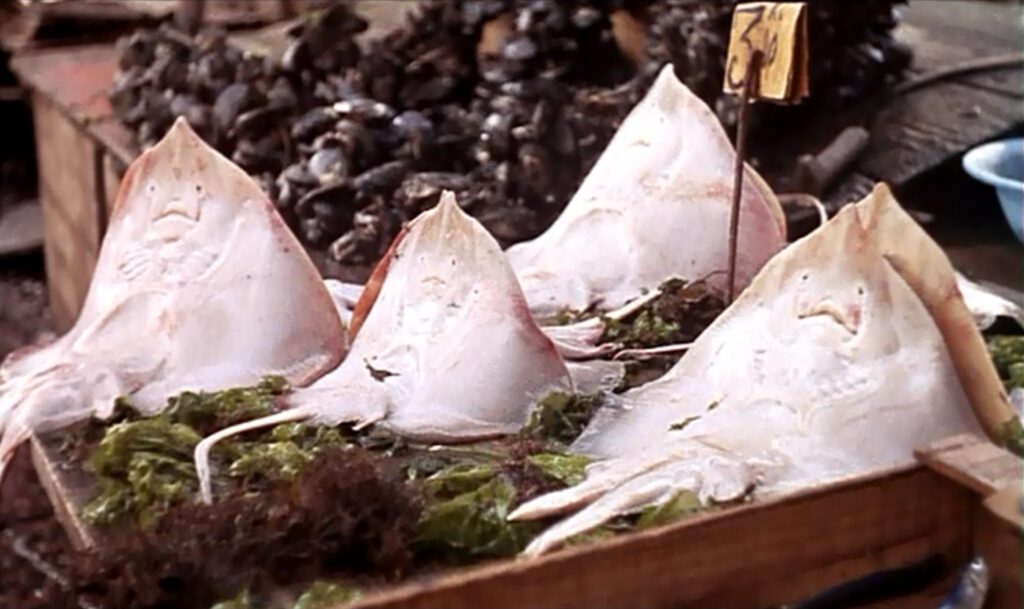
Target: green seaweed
{"type": "Point", "coordinates": [571, 316]}
{"type": "Point", "coordinates": [459, 479]}
{"type": "Point", "coordinates": [207, 411]}
{"type": "Point", "coordinates": [326, 595]}
{"type": "Point", "coordinates": [281, 457]}
{"type": "Point", "coordinates": [143, 467]}
{"type": "Point", "coordinates": [560, 417]}
{"type": "Point", "coordinates": [646, 329]}
{"type": "Point", "coordinates": [565, 468]}
{"type": "Point", "coordinates": [681, 504]}
{"type": "Point", "coordinates": [1007, 354]}
{"type": "Point", "coordinates": [591, 536]}
{"type": "Point", "coordinates": [466, 515]}
{"type": "Point", "coordinates": [1015, 375]}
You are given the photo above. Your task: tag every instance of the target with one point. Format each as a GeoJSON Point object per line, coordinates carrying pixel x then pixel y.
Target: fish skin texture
{"type": "Point", "coordinates": [655, 205]}
{"type": "Point", "coordinates": [199, 285]}
{"type": "Point", "coordinates": [444, 348]}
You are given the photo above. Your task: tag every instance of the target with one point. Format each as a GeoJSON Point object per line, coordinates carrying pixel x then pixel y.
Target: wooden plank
{"type": "Point", "coordinates": [925, 127]}
{"type": "Point", "coordinates": [75, 79]}
{"type": "Point", "coordinates": [116, 141]}
{"type": "Point", "coordinates": [998, 537]}
{"type": "Point", "coordinates": [921, 129]}
{"type": "Point", "coordinates": [67, 187]}
{"type": "Point", "coordinates": [975, 25]}
{"type": "Point", "coordinates": [67, 489]}
{"type": "Point", "coordinates": [973, 462]}
{"type": "Point", "coordinates": [781, 551]}
{"type": "Point", "coordinates": [997, 522]}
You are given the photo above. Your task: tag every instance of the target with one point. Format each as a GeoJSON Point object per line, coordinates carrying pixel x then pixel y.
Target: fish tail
{"type": "Point", "coordinates": [202, 450]}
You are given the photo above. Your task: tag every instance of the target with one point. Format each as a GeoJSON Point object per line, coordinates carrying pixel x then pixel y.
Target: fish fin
{"type": "Point", "coordinates": [631, 496]}
{"type": "Point", "coordinates": [50, 399]}
{"type": "Point", "coordinates": [201, 455]}
{"type": "Point", "coordinates": [596, 375]}
{"type": "Point", "coordinates": [602, 477]}
{"type": "Point", "coordinates": [676, 349]}
{"type": "Point", "coordinates": [713, 475]}
{"type": "Point", "coordinates": [578, 340]}
{"type": "Point", "coordinates": [927, 270]}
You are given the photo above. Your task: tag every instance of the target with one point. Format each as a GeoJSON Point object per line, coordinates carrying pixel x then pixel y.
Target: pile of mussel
{"type": "Point", "coordinates": [505, 102]}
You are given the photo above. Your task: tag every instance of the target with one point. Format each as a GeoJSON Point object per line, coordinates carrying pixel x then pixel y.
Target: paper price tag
{"type": "Point", "coordinates": [779, 31]}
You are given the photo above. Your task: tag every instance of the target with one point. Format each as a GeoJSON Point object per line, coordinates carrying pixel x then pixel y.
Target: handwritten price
{"type": "Point", "coordinates": [779, 32]}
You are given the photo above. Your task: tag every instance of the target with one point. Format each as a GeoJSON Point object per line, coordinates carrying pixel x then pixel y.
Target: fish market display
{"type": "Point", "coordinates": [837, 360]}
{"type": "Point", "coordinates": [655, 205]}
{"type": "Point", "coordinates": [199, 285]}
{"type": "Point", "coordinates": [443, 345]}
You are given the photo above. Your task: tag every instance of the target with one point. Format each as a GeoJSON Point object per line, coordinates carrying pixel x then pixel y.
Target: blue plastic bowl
{"type": "Point", "coordinates": [1001, 164]}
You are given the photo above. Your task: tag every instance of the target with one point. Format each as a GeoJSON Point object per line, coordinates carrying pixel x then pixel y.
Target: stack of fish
{"type": "Point", "coordinates": [844, 351]}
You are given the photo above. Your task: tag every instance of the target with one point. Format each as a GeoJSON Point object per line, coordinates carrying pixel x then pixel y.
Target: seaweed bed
{"type": "Point", "coordinates": [310, 516]}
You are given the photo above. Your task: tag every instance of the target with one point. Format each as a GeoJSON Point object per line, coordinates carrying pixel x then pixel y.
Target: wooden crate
{"type": "Point", "coordinates": [81, 153]}
{"type": "Point", "coordinates": [776, 552]}
{"type": "Point", "coordinates": [959, 499]}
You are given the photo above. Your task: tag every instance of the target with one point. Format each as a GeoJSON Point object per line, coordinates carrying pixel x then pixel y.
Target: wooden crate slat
{"type": "Point", "coordinates": [757, 555]}
{"type": "Point", "coordinates": [974, 462]}
{"type": "Point", "coordinates": [67, 189]}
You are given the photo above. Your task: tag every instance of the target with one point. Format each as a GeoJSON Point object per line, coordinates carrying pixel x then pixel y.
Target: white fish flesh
{"type": "Point", "coordinates": [986, 306]}
{"type": "Point", "coordinates": [444, 348]}
{"type": "Point", "coordinates": [199, 285]}
{"type": "Point", "coordinates": [656, 205]}
{"type": "Point", "coordinates": [829, 365]}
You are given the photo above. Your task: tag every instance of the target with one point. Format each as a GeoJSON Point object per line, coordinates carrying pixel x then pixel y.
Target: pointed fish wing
{"type": "Point", "coordinates": [655, 205]}
{"type": "Point", "coordinates": [223, 277]}
{"type": "Point", "coordinates": [925, 267]}
{"type": "Point", "coordinates": [449, 325]}
{"type": "Point", "coordinates": [198, 285]}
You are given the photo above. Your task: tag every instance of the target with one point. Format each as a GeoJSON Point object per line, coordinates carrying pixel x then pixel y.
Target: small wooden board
{"type": "Point", "coordinates": [974, 462]}
{"type": "Point", "coordinates": [997, 522]}
{"type": "Point", "coordinates": [69, 489]}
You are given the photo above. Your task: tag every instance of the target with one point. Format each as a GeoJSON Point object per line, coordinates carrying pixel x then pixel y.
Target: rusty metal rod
{"type": "Point", "coordinates": [750, 84]}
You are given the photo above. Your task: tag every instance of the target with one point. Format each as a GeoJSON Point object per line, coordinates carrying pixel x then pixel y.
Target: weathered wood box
{"type": "Point", "coordinates": [962, 498]}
